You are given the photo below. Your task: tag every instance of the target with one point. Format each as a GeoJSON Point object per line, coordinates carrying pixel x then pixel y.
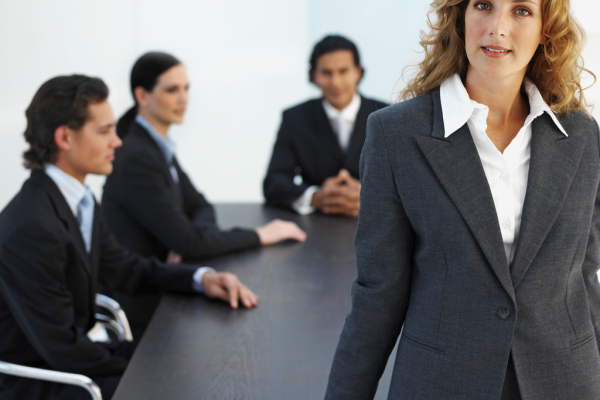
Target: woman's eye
{"type": "Point", "coordinates": [483, 6]}
{"type": "Point", "coordinates": [522, 11]}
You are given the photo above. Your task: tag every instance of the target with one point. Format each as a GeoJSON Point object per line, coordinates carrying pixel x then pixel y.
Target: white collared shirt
{"type": "Point", "coordinates": [506, 172]}
{"type": "Point", "coordinates": [342, 123]}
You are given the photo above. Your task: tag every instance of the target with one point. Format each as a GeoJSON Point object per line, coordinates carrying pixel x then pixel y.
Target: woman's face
{"type": "Point", "coordinates": [168, 99]}
{"type": "Point", "coordinates": [501, 36]}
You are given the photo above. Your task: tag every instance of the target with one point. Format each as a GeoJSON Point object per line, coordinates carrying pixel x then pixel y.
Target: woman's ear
{"type": "Point", "coordinates": [141, 96]}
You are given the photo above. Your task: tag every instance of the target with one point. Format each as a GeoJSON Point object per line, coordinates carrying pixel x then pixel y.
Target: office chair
{"type": "Point", "coordinates": [118, 324]}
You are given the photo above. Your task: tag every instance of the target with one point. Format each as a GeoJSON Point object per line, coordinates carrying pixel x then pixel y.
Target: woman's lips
{"type": "Point", "coordinates": [495, 51]}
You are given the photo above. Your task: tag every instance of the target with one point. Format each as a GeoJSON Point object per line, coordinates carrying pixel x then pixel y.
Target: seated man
{"type": "Point", "coordinates": [314, 165]}
{"type": "Point", "coordinates": [55, 249]}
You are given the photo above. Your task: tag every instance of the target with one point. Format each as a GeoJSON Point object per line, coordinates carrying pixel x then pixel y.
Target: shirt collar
{"type": "Point", "coordinates": [348, 113]}
{"type": "Point", "coordinates": [72, 190]}
{"type": "Point", "coordinates": [457, 106]}
{"type": "Point", "coordinates": [166, 144]}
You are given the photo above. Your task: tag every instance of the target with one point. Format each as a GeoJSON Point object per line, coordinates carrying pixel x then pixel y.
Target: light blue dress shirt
{"type": "Point", "coordinates": [81, 202]}
{"type": "Point", "coordinates": [79, 198]}
{"type": "Point", "coordinates": [166, 144]}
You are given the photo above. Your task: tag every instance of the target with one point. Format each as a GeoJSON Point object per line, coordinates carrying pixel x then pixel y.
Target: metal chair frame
{"type": "Point", "coordinates": [119, 325]}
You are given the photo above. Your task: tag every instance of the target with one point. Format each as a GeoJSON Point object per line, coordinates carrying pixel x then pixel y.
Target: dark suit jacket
{"type": "Point", "coordinates": [48, 285]}
{"type": "Point", "coordinates": [431, 262]}
{"type": "Point", "coordinates": [306, 143]}
{"type": "Point", "coordinates": [151, 214]}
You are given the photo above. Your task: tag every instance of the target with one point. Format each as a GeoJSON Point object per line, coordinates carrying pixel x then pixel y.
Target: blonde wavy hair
{"type": "Point", "coordinates": [555, 68]}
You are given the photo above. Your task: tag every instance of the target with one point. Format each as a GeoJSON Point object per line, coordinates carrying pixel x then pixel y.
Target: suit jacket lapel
{"type": "Point", "coordinates": [96, 248]}
{"type": "Point", "coordinates": [324, 132]}
{"type": "Point", "coordinates": [177, 187]}
{"type": "Point", "coordinates": [141, 134]}
{"type": "Point", "coordinates": [456, 163]}
{"type": "Point", "coordinates": [357, 138]}
{"type": "Point", "coordinates": [554, 162]}
{"type": "Point", "coordinates": [66, 215]}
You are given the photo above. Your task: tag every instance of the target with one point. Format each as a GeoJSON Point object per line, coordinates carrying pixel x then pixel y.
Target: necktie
{"type": "Point", "coordinates": [340, 132]}
{"type": "Point", "coordinates": [85, 216]}
{"type": "Point", "coordinates": [173, 170]}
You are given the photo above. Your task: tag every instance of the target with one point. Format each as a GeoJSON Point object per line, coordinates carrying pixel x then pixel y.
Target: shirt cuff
{"type": "Point", "coordinates": [197, 281]}
{"type": "Point", "coordinates": [302, 204]}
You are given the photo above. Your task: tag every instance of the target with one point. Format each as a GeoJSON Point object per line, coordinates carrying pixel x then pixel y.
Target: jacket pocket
{"type": "Point", "coordinates": [580, 342]}
{"type": "Point", "coordinates": [424, 346]}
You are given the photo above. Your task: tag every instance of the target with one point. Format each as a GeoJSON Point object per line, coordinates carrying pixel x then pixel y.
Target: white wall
{"type": "Point", "coordinates": [386, 33]}
{"type": "Point", "coordinates": [246, 62]}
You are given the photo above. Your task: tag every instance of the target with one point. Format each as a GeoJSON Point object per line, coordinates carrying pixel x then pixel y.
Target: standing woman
{"type": "Point", "coordinates": [479, 228]}
{"type": "Point", "coordinates": [149, 202]}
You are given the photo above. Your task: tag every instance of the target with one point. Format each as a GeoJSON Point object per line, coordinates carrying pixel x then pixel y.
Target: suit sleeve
{"type": "Point", "coordinates": [195, 205]}
{"type": "Point", "coordinates": [146, 198]}
{"type": "Point", "coordinates": [591, 263]}
{"type": "Point", "coordinates": [380, 293]}
{"type": "Point", "coordinates": [278, 187]}
{"type": "Point", "coordinates": [33, 283]}
{"type": "Point", "coordinates": [125, 271]}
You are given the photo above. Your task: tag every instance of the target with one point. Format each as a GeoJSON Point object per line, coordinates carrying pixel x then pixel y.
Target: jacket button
{"type": "Point", "coordinates": [503, 313]}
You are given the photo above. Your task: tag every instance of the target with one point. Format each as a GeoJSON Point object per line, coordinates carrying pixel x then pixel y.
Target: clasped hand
{"type": "Point", "coordinates": [338, 195]}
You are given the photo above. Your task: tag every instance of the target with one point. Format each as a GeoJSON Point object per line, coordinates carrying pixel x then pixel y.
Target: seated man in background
{"type": "Point", "coordinates": [314, 165]}
{"type": "Point", "coordinates": [55, 249]}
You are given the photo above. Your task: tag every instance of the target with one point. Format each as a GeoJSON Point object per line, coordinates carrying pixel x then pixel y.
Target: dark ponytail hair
{"type": "Point", "coordinates": [145, 73]}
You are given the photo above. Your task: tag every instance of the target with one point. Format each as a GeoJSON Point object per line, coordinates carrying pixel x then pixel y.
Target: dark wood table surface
{"type": "Point", "coordinates": [197, 348]}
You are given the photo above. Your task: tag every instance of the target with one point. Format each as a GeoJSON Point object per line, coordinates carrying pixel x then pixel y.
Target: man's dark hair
{"type": "Point", "coordinates": [60, 101]}
{"type": "Point", "coordinates": [329, 44]}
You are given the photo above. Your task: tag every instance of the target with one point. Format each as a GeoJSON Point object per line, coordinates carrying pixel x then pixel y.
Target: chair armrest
{"type": "Point", "coordinates": [113, 325]}
{"type": "Point", "coordinates": [52, 376]}
{"type": "Point", "coordinates": [119, 315]}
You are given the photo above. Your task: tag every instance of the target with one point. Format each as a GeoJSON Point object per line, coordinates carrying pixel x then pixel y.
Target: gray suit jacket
{"type": "Point", "coordinates": [431, 263]}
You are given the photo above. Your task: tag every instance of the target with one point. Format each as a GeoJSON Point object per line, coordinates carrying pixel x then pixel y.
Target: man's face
{"type": "Point", "coordinates": [337, 76]}
{"type": "Point", "coordinates": [92, 147]}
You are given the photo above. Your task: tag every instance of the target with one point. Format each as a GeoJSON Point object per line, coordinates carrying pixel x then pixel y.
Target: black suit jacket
{"type": "Point", "coordinates": [151, 214]}
{"type": "Point", "coordinates": [48, 284]}
{"type": "Point", "coordinates": [307, 144]}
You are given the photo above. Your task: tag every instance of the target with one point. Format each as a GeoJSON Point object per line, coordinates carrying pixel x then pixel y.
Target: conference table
{"type": "Point", "coordinates": [198, 348]}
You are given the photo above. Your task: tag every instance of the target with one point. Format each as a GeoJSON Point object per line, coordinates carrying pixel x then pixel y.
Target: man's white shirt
{"type": "Point", "coordinates": [342, 123]}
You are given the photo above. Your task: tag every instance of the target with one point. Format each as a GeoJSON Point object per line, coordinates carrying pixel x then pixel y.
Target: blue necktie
{"type": "Point", "coordinates": [173, 171]}
{"type": "Point", "coordinates": [85, 216]}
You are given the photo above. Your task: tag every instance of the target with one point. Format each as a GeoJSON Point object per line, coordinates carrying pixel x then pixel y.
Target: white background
{"type": "Point", "coordinates": [246, 60]}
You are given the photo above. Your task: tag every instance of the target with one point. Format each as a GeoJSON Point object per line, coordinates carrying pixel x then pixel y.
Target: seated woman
{"type": "Point", "coordinates": [149, 202]}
